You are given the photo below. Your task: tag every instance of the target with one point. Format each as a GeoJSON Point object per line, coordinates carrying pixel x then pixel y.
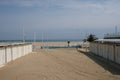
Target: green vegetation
{"type": "Point", "coordinates": [91, 38]}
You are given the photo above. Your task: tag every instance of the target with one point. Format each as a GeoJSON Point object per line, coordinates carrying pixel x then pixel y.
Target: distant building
{"type": "Point", "coordinates": [112, 36]}
{"type": "Point", "coordinates": [108, 48]}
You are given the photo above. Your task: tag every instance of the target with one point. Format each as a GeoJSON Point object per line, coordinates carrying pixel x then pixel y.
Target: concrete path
{"type": "Point", "coordinates": [57, 64]}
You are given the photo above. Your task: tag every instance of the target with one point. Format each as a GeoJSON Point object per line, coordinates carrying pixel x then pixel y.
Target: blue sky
{"type": "Point", "coordinates": [58, 19]}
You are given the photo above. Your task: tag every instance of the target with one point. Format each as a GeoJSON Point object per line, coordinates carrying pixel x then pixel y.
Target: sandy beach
{"type": "Point", "coordinates": [58, 64]}
{"type": "Point", "coordinates": [72, 43]}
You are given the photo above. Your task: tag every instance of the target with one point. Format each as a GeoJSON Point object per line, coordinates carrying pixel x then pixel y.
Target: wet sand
{"type": "Point", "coordinates": [56, 64]}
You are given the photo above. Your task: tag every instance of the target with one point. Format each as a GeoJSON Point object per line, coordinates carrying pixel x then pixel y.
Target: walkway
{"type": "Point", "coordinates": [56, 64]}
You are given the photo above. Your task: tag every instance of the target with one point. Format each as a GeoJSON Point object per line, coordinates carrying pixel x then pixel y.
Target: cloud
{"type": "Point", "coordinates": [29, 2]}
{"type": "Point", "coordinates": [102, 6]}
{"type": "Point", "coordinates": [72, 13]}
{"type": "Point", "coordinates": [55, 2]}
{"type": "Point", "coordinates": [59, 15]}
{"type": "Point", "coordinates": [108, 6]}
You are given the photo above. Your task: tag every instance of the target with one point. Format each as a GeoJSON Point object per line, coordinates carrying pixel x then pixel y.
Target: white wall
{"type": "Point", "coordinates": [12, 52]}
{"type": "Point", "coordinates": [108, 51]}
{"type": "Point", "coordinates": [15, 53]}
{"type": "Point", "coordinates": [2, 56]}
{"type": "Point", "coordinates": [8, 54]}
{"type": "Point", "coordinates": [117, 54]}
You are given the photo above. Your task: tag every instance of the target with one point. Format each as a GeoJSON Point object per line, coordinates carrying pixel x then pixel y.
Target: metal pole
{"type": "Point", "coordinates": [115, 29]}
{"type": "Point", "coordinates": [34, 38]}
{"type": "Point", "coordinates": [23, 35]}
{"type": "Point", "coordinates": [42, 40]}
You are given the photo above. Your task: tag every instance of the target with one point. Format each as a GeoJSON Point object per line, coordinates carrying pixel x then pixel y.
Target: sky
{"type": "Point", "coordinates": [58, 19]}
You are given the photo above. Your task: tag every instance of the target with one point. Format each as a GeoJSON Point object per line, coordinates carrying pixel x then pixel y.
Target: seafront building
{"type": "Point", "coordinates": [112, 36]}
{"type": "Point", "coordinates": [108, 48]}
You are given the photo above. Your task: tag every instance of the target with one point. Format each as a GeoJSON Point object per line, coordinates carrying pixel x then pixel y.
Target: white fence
{"type": "Point", "coordinates": [110, 51]}
{"type": "Point", "coordinates": [14, 51]}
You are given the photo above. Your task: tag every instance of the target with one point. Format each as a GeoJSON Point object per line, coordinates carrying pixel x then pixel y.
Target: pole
{"type": "Point", "coordinates": [34, 38]}
{"type": "Point", "coordinates": [23, 35]}
{"type": "Point", "coordinates": [115, 29]}
{"type": "Point", "coordinates": [86, 42]}
{"type": "Point", "coordinates": [42, 40]}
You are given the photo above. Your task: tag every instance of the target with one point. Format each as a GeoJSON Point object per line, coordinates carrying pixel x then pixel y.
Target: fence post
{"type": "Point", "coordinates": [5, 54]}
{"type": "Point", "coordinates": [114, 52]}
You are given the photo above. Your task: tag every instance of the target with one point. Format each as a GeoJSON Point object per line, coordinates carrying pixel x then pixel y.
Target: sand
{"type": "Point", "coordinates": [57, 64]}
{"type": "Point", "coordinates": [72, 43]}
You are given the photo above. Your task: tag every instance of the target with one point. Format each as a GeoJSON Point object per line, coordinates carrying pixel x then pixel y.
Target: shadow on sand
{"type": "Point", "coordinates": [106, 64]}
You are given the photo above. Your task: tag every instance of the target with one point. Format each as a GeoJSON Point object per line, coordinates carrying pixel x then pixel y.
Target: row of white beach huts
{"type": "Point", "coordinates": [108, 49]}
{"type": "Point", "coordinates": [10, 52]}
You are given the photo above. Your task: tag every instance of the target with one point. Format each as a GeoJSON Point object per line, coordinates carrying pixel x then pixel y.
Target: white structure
{"type": "Point", "coordinates": [112, 36]}
{"type": "Point", "coordinates": [107, 48]}
{"type": "Point", "coordinates": [13, 51]}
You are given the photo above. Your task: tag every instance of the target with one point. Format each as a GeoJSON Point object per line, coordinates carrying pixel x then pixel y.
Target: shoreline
{"type": "Point", "coordinates": [60, 44]}
{"type": "Point", "coordinates": [40, 40]}
{"type": "Point", "coordinates": [37, 45]}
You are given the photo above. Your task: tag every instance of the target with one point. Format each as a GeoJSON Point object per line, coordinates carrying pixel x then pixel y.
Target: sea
{"type": "Point", "coordinates": [5, 41]}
